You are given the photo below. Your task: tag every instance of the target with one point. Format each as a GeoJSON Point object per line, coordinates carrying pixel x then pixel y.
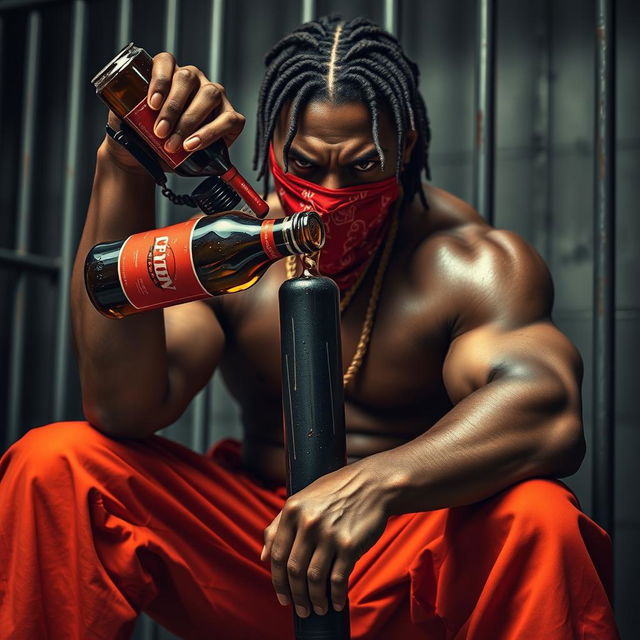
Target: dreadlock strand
{"type": "Point", "coordinates": [297, 37]}
{"type": "Point", "coordinates": [379, 63]}
{"type": "Point", "coordinates": [283, 88]}
{"type": "Point", "coordinates": [300, 100]}
{"type": "Point", "coordinates": [280, 100]}
{"type": "Point", "coordinates": [387, 84]}
{"type": "Point", "coordinates": [381, 51]}
{"type": "Point", "coordinates": [284, 77]}
{"type": "Point", "coordinates": [372, 104]}
{"type": "Point", "coordinates": [394, 103]}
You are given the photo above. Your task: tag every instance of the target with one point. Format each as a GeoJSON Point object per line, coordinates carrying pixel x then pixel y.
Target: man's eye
{"type": "Point", "coordinates": [301, 164]}
{"type": "Point", "coordinates": [365, 165]}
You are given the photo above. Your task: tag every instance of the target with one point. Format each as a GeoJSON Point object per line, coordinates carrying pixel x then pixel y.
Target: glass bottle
{"type": "Point", "coordinates": [123, 85]}
{"type": "Point", "coordinates": [196, 259]}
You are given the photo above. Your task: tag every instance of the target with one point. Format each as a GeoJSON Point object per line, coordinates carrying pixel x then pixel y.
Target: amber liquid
{"type": "Point", "coordinates": [227, 251]}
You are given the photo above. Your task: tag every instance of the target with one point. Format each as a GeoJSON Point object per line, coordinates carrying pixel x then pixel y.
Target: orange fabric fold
{"type": "Point", "coordinates": [94, 530]}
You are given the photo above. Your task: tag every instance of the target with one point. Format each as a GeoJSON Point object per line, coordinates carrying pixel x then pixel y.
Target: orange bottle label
{"type": "Point", "coordinates": [142, 118]}
{"type": "Point", "coordinates": [268, 241]}
{"type": "Point", "coordinates": [156, 267]}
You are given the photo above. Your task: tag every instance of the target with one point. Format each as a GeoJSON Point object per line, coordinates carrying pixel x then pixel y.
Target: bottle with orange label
{"type": "Point", "coordinates": [123, 84]}
{"type": "Point", "coordinates": [196, 259]}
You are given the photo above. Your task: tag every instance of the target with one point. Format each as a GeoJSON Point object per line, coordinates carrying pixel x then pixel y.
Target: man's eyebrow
{"type": "Point", "coordinates": [365, 157]}
{"type": "Point", "coordinates": [298, 155]}
{"type": "Point", "coordinates": [369, 155]}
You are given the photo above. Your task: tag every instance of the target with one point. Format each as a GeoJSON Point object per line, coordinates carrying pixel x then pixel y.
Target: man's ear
{"type": "Point", "coordinates": [411, 138]}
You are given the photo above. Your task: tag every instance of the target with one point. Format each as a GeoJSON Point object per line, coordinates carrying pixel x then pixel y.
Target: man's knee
{"type": "Point", "coordinates": [542, 508]}
{"type": "Point", "coordinates": [47, 449]}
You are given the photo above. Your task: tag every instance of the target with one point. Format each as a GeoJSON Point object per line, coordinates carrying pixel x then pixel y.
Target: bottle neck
{"type": "Point", "coordinates": [296, 234]}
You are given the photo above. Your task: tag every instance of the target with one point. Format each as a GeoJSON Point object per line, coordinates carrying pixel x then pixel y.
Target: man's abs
{"type": "Point", "coordinates": [263, 445]}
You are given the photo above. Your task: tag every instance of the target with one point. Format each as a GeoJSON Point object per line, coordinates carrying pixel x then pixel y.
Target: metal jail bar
{"type": "Point", "coordinates": [541, 178]}
{"type": "Point", "coordinates": [391, 20]}
{"type": "Point", "coordinates": [25, 197]}
{"type": "Point", "coordinates": [484, 140]}
{"type": "Point", "coordinates": [203, 409]}
{"type": "Point", "coordinates": [69, 208]}
{"type": "Point", "coordinates": [604, 268]}
{"type": "Point", "coordinates": [172, 13]}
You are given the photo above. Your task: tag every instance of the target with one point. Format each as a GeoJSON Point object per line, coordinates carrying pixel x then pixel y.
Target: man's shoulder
{"type": "Point", "coordinates": [459, 242]}
{"type": "Point", "coordinates": [475, 266]}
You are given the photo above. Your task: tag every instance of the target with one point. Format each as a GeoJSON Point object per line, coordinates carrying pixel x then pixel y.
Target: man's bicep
{"type": "Point", "coordinates": [504, 299]}
{"type": "Point", "coordinates": [536, 351]}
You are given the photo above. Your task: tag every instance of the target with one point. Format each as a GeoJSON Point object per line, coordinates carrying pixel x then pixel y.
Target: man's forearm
{"type": "Point", "coordinates": [506, 431]}
{"type": "Point", "coordinates": [114, 355]}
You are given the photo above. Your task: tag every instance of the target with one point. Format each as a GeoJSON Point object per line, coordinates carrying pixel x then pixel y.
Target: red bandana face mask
{"type": "Point", "coordinates": [355, 219]}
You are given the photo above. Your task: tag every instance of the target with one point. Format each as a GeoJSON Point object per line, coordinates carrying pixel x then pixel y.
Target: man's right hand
{"type": "Point", "coordinates": [193, 112]}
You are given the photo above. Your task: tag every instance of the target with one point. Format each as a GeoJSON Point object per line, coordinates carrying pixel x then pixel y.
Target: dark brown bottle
{"type": "Point", "coordinates": [123, 85]}
{"type": "Point", "coordinates": [212, 255]}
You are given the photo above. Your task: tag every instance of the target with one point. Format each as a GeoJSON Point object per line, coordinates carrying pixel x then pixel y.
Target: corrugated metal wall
{"type": "Point", "coordinates": [51, 124]}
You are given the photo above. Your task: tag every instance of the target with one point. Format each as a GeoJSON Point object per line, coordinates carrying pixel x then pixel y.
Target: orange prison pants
{"type": "Point", "coordinates": [94, 530]}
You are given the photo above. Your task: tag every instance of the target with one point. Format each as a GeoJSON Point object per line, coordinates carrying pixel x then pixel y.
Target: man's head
{"type": "Point", "coordinates": [348, 94]}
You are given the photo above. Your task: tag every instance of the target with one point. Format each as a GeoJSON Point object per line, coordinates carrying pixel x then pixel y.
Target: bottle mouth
{"type": "Point", "coordinates": [122, 59]}
{"type": "Point", "coordinates": [309, 228]}
{"type": "Point", "coordinates": [314, 231]}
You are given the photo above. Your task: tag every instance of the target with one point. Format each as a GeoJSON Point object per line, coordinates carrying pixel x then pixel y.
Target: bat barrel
{"type": "Point", "coordinates": [313, 403]}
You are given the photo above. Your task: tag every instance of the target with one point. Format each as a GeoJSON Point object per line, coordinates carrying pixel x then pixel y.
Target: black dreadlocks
{"type": "Point", "coordinates": [355, 61]}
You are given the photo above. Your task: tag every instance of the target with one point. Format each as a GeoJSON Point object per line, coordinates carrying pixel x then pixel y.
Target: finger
{"type": "Point", "coordinates": [318, 577]}
{"type": "Point", "coordinates": [184, 84]}
{"type": "Point", "coordinates": [205, 102]}
{"type": "Point", "coordinates": [280, 551]}
{"type": "Point", "coordinates": [297, 564]}
{"type": "Point", "coordinates": [227, 126]}
{"type": "Point", "coordinates": [161, 74]}
{"type": "Point", "coordinates": [342, 568]}
{"type": "Point", "coordinates": [269, 535]}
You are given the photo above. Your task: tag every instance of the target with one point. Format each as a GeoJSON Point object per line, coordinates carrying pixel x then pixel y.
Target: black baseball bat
{"type": "Point", "coordinates": [313, 403]}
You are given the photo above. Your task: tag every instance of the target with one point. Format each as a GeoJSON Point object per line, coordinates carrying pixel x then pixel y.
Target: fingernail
{"type": "Point", "coordinates": [173, 143]}
{"type": "Point", "coordinates": [320, 611]}
{"type": "Point", "coordinates": [338, 606]}
{"type": "Point", "coordinates": [283, 600]}
{"type": "Point", "coordinates": [156, 100]}
{"type": "Point", "coordinates": [302, 612]}
{"type": "Point", "coordinates": [191, 143]}
{"type": "Point", "coordinates": [162, 128]}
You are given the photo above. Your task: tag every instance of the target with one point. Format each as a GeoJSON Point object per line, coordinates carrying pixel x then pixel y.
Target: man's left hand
{"type": "Point", "coordinates": [320, 534]}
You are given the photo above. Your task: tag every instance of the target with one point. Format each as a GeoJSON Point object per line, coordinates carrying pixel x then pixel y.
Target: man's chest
{"type": "Point", "coordinates": [401, 372]}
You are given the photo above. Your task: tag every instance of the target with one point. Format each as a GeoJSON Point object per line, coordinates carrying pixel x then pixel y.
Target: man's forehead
{"type": "Point", "coordinates": [332, 122]}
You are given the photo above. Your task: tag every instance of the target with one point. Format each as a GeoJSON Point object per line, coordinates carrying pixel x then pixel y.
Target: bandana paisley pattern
{"type": "Point", "coordinates": [355, 219]}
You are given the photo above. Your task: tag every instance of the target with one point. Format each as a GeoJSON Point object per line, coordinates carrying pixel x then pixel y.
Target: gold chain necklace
{"type": "Point", "coordinates": [367, 327]}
